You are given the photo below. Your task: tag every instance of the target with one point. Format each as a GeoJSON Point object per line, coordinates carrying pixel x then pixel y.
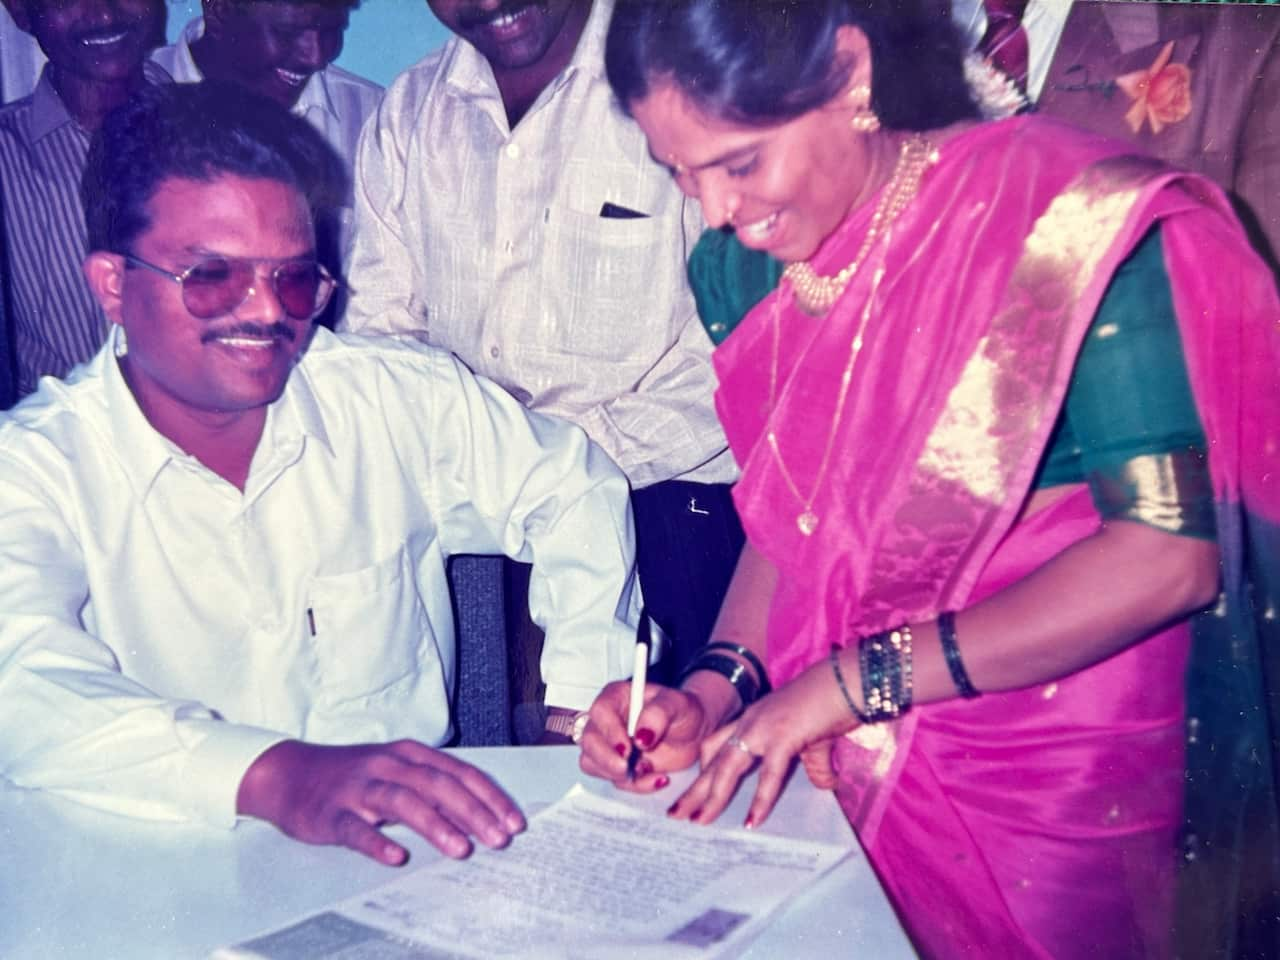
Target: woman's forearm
{"type": "Point", "coordinates": [1097, 597]}
{"type": "Point", "coordinates": [743, 620]}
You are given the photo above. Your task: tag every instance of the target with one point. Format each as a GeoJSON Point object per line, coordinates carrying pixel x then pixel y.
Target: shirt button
{"type": "Point", "coordinates": [513, 150]}
{"type": "Point", "coordinates": [493, 352]}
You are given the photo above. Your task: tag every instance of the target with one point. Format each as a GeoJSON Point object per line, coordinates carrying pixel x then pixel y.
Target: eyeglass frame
{"type": "Point", "coordinates": [181, 278]}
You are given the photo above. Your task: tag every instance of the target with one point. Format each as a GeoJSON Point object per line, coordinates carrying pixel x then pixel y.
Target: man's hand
{"type": "Point", "coordinates": [342, 795]}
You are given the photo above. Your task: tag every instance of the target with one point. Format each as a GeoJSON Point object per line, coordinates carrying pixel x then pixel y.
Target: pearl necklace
{"type": "Point", "coordinates": [817, 294]}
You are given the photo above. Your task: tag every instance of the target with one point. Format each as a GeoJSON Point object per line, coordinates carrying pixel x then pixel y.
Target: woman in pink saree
{"type": "Point", "coordinates": [954, 480]}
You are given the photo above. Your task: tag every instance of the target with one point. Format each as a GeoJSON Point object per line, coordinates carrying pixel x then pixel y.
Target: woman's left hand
{"type": "Point", "coordinates": [771, 732]}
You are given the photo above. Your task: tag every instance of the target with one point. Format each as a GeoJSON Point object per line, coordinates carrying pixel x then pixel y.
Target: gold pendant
{"type": "Point", "coordinates": [807, 522]}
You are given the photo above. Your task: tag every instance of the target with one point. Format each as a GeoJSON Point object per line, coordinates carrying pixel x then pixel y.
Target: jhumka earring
{"type": "Point", "coordinates": [864, 119]}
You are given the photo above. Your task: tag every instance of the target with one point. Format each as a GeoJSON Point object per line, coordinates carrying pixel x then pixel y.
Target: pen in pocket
{"type": "Point", "coordinates": [311, 620]}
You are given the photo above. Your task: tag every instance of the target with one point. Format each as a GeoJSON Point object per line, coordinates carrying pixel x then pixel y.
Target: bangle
{"type": "Point", "coordinates": [839, 674]}
{"type": "Point", "coordinates": [901, 641]}
{"type": "Point", "coordinates": [735, 671]}
{"type": "Point", "coordinates": [747, 655]}
{"type": "Point", "coordinates": [951, 652]}
{"type": "Point", "coordinates": [885, 660]}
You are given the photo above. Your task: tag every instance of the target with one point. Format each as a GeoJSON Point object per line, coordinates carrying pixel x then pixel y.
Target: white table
{"type": "Point", "coordinates": [75, 882]}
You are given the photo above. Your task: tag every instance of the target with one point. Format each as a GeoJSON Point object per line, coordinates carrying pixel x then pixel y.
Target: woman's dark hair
{"type": "Point", "coordinates": [196, 131]}
{"type": "Point", "coordinates": [761, 62]}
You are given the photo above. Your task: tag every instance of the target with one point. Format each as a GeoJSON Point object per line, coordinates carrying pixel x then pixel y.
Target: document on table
{"type": "Point", "coordinates": [590, 878]}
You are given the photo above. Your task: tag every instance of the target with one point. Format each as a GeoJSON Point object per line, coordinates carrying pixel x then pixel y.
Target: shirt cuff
{"type": "Point", "coordinates": [217, 765]}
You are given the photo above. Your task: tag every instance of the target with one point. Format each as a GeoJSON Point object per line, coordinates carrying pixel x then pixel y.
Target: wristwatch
{"type": "Point", "coordinates": [568, 725]}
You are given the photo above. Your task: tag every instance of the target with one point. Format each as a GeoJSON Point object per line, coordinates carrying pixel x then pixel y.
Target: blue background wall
{"type": "Point", "coordinates": [385, 36]}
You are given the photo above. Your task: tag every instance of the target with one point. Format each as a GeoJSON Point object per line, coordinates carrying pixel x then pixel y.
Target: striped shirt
{"type": "Point", "coordinates": [56, 321]}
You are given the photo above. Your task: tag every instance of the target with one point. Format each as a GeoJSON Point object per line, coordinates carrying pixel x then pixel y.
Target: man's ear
{"type": "Point", "coordinates": [20, 10]}
{"type": "Point", "coordinates": [105, 274]}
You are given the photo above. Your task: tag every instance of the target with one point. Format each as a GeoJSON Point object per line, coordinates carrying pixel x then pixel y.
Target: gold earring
{"type": "Point", "coordinates": [864, 119]}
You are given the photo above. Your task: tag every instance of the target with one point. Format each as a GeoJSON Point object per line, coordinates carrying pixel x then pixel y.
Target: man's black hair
{"type": "Point", "coordinates": [197, 131]}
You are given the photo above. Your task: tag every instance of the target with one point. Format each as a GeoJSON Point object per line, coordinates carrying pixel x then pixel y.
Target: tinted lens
{"type": "Point", "coordinates": [302, 288]}
{"type": "Point", "coordinates": [216, 286]}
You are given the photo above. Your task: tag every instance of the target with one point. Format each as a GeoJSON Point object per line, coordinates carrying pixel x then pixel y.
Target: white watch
{"type": "Point", "coordinates": [569, 725]}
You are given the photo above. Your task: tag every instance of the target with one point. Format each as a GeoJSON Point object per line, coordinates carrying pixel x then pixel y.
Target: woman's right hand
{"type": "Point", "coordinates": [669, 732]}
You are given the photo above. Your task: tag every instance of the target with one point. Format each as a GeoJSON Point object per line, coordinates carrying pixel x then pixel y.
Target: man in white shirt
{"type": "Point", "coordinates": [224, 539]}
{"type": "Point", "coordinates": [506, 210]}
{"type": "Point", "coordinates": [284, 49]}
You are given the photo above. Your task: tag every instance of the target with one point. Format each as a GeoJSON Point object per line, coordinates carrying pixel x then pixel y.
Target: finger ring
{"type": "Point", "coordinates": [739, 744]}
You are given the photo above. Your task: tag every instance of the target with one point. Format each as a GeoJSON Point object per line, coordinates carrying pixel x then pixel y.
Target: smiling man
{"type": "Point", "coordinates": [282, 49]}
{"type": "Point", "coordinates": [97, 57]}
{"type": "Point", "coordinates": [507, 211]}
{"type": "Point", "coordinates": [224, 540]}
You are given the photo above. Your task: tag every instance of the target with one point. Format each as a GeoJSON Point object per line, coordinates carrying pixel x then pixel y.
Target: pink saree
{"type": "Point", "coordinates": [1040, 822]}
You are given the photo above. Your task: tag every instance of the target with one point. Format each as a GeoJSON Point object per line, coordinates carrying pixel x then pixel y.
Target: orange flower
{"type": "Point", "coordinates": [1161, 93]}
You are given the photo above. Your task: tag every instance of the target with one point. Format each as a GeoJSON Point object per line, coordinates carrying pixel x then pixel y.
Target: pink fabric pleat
{"type": "Point", "coordinates": [1041, 822]}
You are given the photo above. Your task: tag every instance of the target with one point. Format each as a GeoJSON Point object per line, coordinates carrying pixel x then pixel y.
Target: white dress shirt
{"type": "Point", "coordinates": [490, 242]}
{"type": "Point", "coordinates": [335, 102]}
{"type": "Point", "coordinates": [1043, 21]}
{"type": "Point", "coordinates": [159, 629]}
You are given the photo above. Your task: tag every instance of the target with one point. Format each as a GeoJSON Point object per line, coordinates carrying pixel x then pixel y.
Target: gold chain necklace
{"type": "Point", "coordinates": [816, 295]}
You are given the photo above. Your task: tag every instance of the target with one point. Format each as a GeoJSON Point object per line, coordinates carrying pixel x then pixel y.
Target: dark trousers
{"type": "Point", "coordinates": [688, 539]}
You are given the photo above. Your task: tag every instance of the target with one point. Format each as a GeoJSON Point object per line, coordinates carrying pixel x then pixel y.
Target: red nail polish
{"type": "Point", "coordinates": [672, 809]}
{"type": "Point", "coordinates": [696, 814]}
{"type": "Point", "coordinates": [750, 822]}
{"type": "Point", "coordinates": [644, 768]}
{"type": "Point", "coordinates": [661, 782]}
{"type": "Point", "coordinates": [646, 738]}
{"type": "Point", "coordinates": [621, 750]}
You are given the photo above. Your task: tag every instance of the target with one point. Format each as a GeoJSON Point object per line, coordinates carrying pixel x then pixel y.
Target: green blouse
{"type": "Point", "coordinates": [1128, 426]}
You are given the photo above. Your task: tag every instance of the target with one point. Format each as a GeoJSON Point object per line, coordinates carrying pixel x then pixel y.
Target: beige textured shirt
{"type": "Point", "coordinates": [490, 242]}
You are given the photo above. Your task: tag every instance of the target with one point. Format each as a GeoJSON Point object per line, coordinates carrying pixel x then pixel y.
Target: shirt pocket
{"type": "Point", "coordinates": [619, 277]}
{"type": "Point", "coordinates": [368, 627]}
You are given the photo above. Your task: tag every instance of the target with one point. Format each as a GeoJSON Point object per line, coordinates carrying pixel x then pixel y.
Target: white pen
{"type": "Point", "coordinates": [638, 676]}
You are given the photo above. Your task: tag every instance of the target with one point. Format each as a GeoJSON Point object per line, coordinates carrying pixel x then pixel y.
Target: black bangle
{"type": "Point", "coordinates": [839, 674]}
{"type": "Point", "coordinates": [747, 655]}
{"type": "Point", "coordinates": [951, 652]}
{"type": "Point", "coordinates": [734, 671]}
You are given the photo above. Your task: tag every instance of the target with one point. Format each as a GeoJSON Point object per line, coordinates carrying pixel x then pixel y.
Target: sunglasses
{"type": "Point", "coordinates": [215, 286]}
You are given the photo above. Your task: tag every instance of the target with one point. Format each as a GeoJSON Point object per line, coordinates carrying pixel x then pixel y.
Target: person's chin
{"type": "Point", "coordinates": [252, 390]}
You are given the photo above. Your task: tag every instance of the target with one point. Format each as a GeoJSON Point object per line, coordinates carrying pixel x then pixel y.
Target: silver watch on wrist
{"type": "Point", "coordinates": [568, 725]}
